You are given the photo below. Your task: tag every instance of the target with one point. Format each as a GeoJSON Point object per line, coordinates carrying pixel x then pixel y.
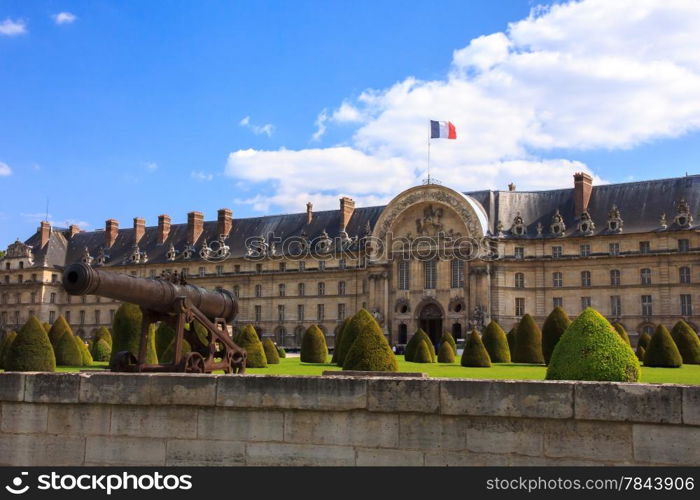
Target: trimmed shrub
{"type": "Point", "coordinates": [357, 323]}
{"type": "Point", "coordinates": [5, 347]}
{"type": "Point", "coordinates": [591, 349]}
{"type": "Point", "coordinates": [47, 327]}
{"type": "Point", "coordinates": [249, 340]}
{"type": "Point", "coordinates": [687, 342]}
{"type": "Point", "coordinates": [446, 354]}
{"type": "Point", "coordinates": [475, 354]}
{"type": "Point", "coordinates": [165, 334]}
{"type": "Point", "coordinates": [101, 350]}
{"type": "Point", "coordinates": [447, 337]}
{"type": "Point", "coordinates": [496, 343]}
{"type": "Point", "coordinates": [528, 342]}
{"type": "Point", "coordinates": [60, 326]}
{"type": "Point", "coordinates": [422, 354]}
{"type": "Point", "coordinates": [271, 354]}
{"type": "Point", "coordinates": [622, 333]}
{"type": "Point", "coordinates": [67, 351]}
{"type": "Point", "coordinates": [338, 339]}
{"type": "Point", "coordinates": [644, 340]}
{"type": "Point", "coordinates": [511, 341]}
{"type": "Point", "coordinates": [126, 330]}
{"type": "Point", "coordinates": [313, 346]}
{"type": "Point", "coordinates": [201, 332]}
{"type": "Point", "coordinates": [553, 328]}
{"type": "Point", "coordinates": [169, 352]}
{"type": "Point", "coordinates": [103, 334]}
{"type": "Point", "coordinates": [370, 351]}
{"type": "Point", "coordinates": [640, 353]}
{"type": "Point", "coordinates": [282, 353]}
{"type": "Point", "coordinates": [662, 350]}
{"type": "Point", "coordinates": [85, 355]}
{"type": "Point", "coordinates": [415, 341]}
{"type": "Point", "coordinates": [31, 351]}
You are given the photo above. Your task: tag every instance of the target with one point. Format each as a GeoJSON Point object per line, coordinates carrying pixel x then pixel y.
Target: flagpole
{"type": "Point", "coordinates": [429, 136]}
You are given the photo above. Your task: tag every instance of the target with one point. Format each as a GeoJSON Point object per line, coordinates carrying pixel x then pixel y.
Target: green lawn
{"type": "Point", "coordinates": [687, 374]}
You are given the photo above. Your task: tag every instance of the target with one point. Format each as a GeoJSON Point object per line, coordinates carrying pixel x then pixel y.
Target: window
{"type": "Point", "coordinates": [219, 270]}
{"type": "Point", "coordinates": [321, 288]}
{"type": "Point", "coordinates": [21, 266]}
{"type": "Point", "coordinates": [341, 312]}
{"type": "Point", "coordinates": [18, 298]}
{"type": "Point", "coordinates": [111, 315]}
{"type": "Point", "coordinates": [20, 278]}
{"type": "Point", "coordinates": [302, 265]}
{"type": "Point", "coordinates": [237, 291]}
{"type": "Point", "coordinates": [585, 250]}
{"type": "Point", "coordinates": [7, 279]}
{"type": "Point", "coordinates": [184, 272]}
{"type": "Point", "coordinates": [302, 289]}
{"type": "Point", "coordinates": [32, 298]}
{"type": "Point", "coordinates": [258, 290]}
{"type": "Point", "coordinates": [585, 279]}
{"type": "Point", "coordinates": [557, 280]}
{"type": "Point", "coordinates": [615, 277]}
{"type": "Point", "coordinates": [258, 314]}
{"type": "Point", "coordinates": [52, 316]}
{"type": "Point", "coordinates": [457, 273]}
{"type": "Point", "coordinates": [557, 302]}
{"type": "Point", "coordinates": [615, 306]}
{"type": "Point", "coordinates": [342, 264]}
{"type": "Point", "coordinates": [54, 278]}
{"type": "Point", "coordinates": [403, 275]}
{"type": "Point", "coordinates": [280, 313]}
{"type": "Point", "coordinates": [429, 274]}
{"type": "Point", "coordinates": [300, 312]}
{"type": "Point", "coordinates": [585, 302]}
{"type": "Point", "coordinates": [7, 266]}
{"type": "Point", "coordinates": [644, 247]}
{"type": "Point", "coordinates": [320, 312]}
{"type": "Point", "coordinates": [258, 268]}
{"type": "Point", "coordinates": [519, 306]}
{"type": "Point", "coordinates": [519, 252]}
{"type": "Point", "coordinates": [683, 245]}
{"type": "Point", "coordinates": [17, 317]}
{"type": "Point", "coordinates": [686, 305]}
{"type": "Point", "coordinates": [283, 266]}
{"type": "Point", "coordinates": [97, 316]}
{"type": "Point", "coordinates": [237, 268]}
{"type": "Point", "coordinates": [646, 305]}
{"type": "Point", "coordinates": [282, 289]}
{"type": "Point", "coordinates": [556, 252]}
{"type": "Point", "coordinates": [67, 315]}
{"type": "Point", "coordinates": [645, 275]}
{"type": "Point", "coordinates": [82, 317]}
{"type": "Point", "coordinates": [4, 298]}
{"type": "Point", "coordinates": [341, 288]}
{"type": "Point", "coordinates": [153, 273]}
{"type": "Point", "coordinates": [322, 265]}
{"type": "Point", "coordinates": [519, 280]}
{"type": "Point", "coordinates": [201, 272]}
{"type": "Point", "coordinates": [34, 278]}
{"type": "Point", "coordinates": [684, 275]}
{"type": "Point", "coordinates": [83, 299]}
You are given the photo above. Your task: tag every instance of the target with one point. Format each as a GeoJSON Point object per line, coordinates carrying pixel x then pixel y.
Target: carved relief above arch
{"type": "Point", "coordinates": [457, 305]}
{"type": "Point", "coordinates": [403, 306]}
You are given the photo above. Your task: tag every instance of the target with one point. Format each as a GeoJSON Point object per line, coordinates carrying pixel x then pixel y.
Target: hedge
{"type": "Point", "coordinates": [370, 351]}
{"type": "Point", "coordinates": [31, 351]}
{"type": "Point", "coordinates": [101, 350]}
{"type": "Point", "coordinates": [528, 342]}
{"type": "Point", "coordinates": [496, 343]}
{"type": "Point", "coordinates": [85, 355]}
{"type": "Point", "coordinates": [5, 346]}
{"type": "Point", "coordinates": [47, 326]}
{"type": "Point", "coordinates": [622, 333]}
{"type": "Point", "coordinates": [248, 339]}
{"type": "Point", "coordinates": [358, 323]}
{"type": "Point", "coordinates": [103, 334]}
{"type": "Point", "coordinates": [640, 353]}
{"type": "Point", "coordinates": [511, 341]}
{"type": "Point", "coordinates": [126, 330]}
{"type": "Point", "coordinates": [553, 328]}
{"type": "Point", "coordinates": [338, 339]}
{"type": "Point", "coordinates": [422, 354]}
{"type": "Point", "coordinates": [446, 354]}
{"type": "Point", "coordinates": [643, 340]}
{"type": "Point", "coordinates": [58, 329]}
{"type": "Point", "coordinates": [165, 334]}
{"type": "Point", "coordinates": [414, 342]}
{"type": "Point", "coordinates": [313, 346]}
{"type": "Point", "coordinates": [67, 351]}
{"type": "Point", "coordinates": [282, 353]}
{"type": "Point", "coordinates": [687, 341]}
{"type": "Point", "coordinates": [271, 353]}
{"type": "Point", "coordinates": [167, 355]}
{"type": "Point", "coordinates": [591, 349]}
{"type": "Point", "coordinates": [662, 350]}
{"type": "Point", "coordinates": [447, 337]}
{"type": "Point", "coordinates": [475, 354]}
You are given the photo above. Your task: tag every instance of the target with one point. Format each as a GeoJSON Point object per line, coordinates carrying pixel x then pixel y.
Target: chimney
{"type": "Point", "coordinates": [195, 226]}
{"type": "Point", "coordinates": [73, 229]}
{"type": "Point", "coordinates": [583, 186]}
{"type": "Point", "coordinates": [309, 212]}
{"type": "Point", "coordinates": [163, 228]}
{"type": "Point", "coordinates": [511, 186]}
{"type": "Point", "coordinates": [347, 207]}
{"type": "Point", "coordinates": [139, 229]}
{"type": "Point", "coordinates": [111, 232]}
{"type": "Point", "coordinates": [225, 221]}
{"type": "Point", "coordinates": [44, 232]}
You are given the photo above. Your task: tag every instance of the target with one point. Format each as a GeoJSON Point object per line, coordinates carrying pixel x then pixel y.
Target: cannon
{"type": "Point", "coordinates": [170, 299]}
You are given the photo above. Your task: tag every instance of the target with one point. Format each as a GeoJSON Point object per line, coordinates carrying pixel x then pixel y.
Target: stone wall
{"type": "Point", "coordinates": [174, 419]}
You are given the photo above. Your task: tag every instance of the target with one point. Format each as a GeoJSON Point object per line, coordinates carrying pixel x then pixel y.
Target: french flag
{"type": "Point", "coordinates": [442, 130]}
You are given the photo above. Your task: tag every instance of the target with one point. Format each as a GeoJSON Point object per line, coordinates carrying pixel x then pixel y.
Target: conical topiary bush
{"type": "Point", "coordinates": [47, 327]}
{"type": "Point", "coordinates": [282, 353]}
{"type": "Point", "coordinates": [59, 327]}
{"type": "Point", "coordinates": [103, 334]}
{"type": "Point", "coordinates": [640, 353]}
{"type": "Point", "coordinates": [662, 350]}
{"type": "Point", "coordinates": [622, 333]}
{"type": "Point", "coordinates": [414, 342]}
{"type": "Point", "coordinates": [475, 353]}
{"type": "Point", "coordinates": [591, 349]}
{"type": "Point", "coordinates": [165, 334]}
{"type": "Point", "coordinates": [249, 340]}
{"type": "Point", "coordinates": [271, 354]}
{"type": "Point", "coordinates": [687, 341]}
{"type": "Point", "coordinates": [422, 354]}
{"type": "Point", "coordinates": [5, 347]}
{"type": "Point", "coordinates": [370, 351]}
{"type": "Point", "coordinates": [31, 351]}
{"type": "Point", "coordinates": [167, 355]}
{"type": "Point", "coordinates": [643, 340]}
{"type": "Point", "coordinates": [313, 346]}
{"type": "Point", "coordinates": [338, 339]}
{"type": "Point", "coordinates": [553, 328]}
{"type": "Point", "coordinates": [126, 330]}
{"type": "Point", "coordinates": [67, 351]}
{"type": "Point", "coordinates": [358, 323]}
{"type": "Point", "coordinates": [85, 355]}
{"type": "Point", "coordinates": [446, 354]}
{"type": "Point", "coordinates": [101, 350]}
{"type": "Point", "coordinates": [447, 337]}
{"type": "Point", "coordinates": [511, 341]}
{"type": "Point", "coordinates": [496, 343]}
{"type": "Point", "coordinates": [528, 342]}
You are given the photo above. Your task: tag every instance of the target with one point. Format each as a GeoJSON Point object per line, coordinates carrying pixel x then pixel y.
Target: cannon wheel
{"type": "Point", "coordinates": [124, 361]}
{"type": "Point", "coordinates": [193, 362]}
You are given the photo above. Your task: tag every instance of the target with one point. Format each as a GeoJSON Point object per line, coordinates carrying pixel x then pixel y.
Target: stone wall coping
{"type": "Point", "coordinates": [609, 401]}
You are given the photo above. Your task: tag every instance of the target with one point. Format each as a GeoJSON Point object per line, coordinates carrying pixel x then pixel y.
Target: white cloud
{"type": "Point", "coordinates": [37, 217]}
{"type": "Point", "coordinates": [64, 18]}
{"type": "Point", "coordinates": [266, 129]}
{"type": "Point", "coordinates": [201, 176]}
{"type": "Point", "coordinates": [8, 27]}
{"type": "Point", "coordinates": [593, 74]}
{"type": "Point", "coordinates": [5, 169]}
{"type": "Point", "coordinates": [151, 166]}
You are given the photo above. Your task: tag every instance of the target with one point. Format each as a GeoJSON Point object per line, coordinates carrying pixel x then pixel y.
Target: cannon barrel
{"type": "Point", "coordinates": [149, 293]}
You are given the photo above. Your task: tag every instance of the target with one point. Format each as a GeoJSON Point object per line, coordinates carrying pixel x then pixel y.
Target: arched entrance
{"type": "Point", "coordinates": [430, 320]}
{"type": "Point", "coordinates": [403, 334]}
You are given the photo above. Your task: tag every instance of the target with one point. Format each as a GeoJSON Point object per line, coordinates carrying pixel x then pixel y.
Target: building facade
{"type": "Point", "coordinates": [433, 258]}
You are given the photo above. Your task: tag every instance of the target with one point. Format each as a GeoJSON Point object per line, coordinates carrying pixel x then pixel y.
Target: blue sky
{"type": "Point", "coordinates": [122, 109]}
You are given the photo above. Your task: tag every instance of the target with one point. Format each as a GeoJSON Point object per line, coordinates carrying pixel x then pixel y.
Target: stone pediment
{"type": "Point", "coordinates": [18, 250]}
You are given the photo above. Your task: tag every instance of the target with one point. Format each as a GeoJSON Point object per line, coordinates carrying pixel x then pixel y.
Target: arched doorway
{"type": "Point", "coordinates": [430, 320]}
{"type": "Point", "coordinates": [456, 331]}
{"type": "Point", "coordinates": [403, 334]}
